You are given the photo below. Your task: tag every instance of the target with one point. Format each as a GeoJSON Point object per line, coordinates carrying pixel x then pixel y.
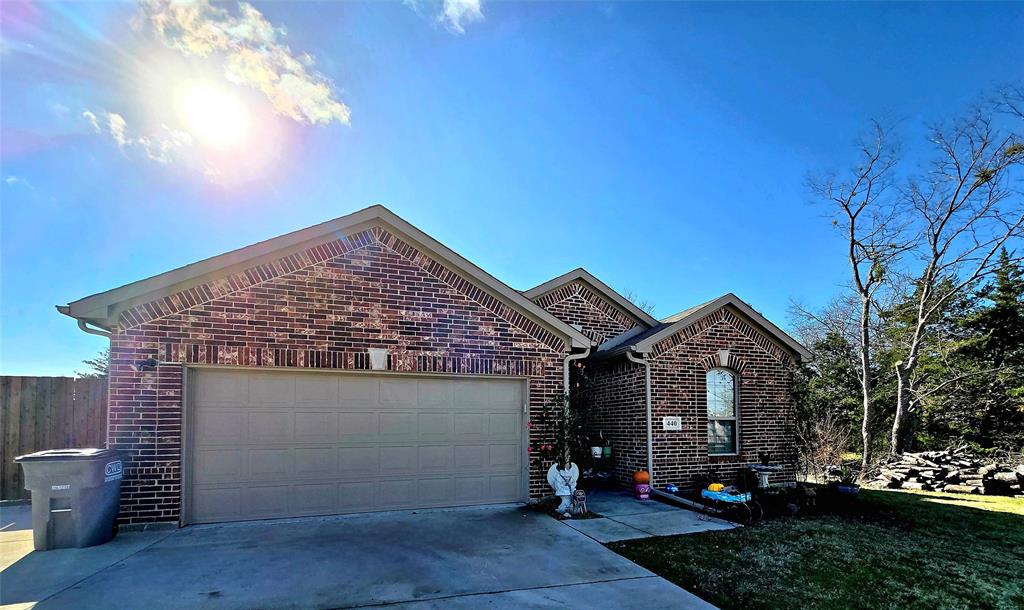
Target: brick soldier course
{"type": "Point", "coordinates": [321, 297]}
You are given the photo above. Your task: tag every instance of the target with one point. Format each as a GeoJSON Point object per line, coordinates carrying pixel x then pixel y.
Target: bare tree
{"type": "Point", "coordinates": [642, 304]}
{"type": "Point", "coordinates": [820, 445]}
{"type": "Point", "coordinates": [864, 210]}
{"type": "Point", "coordinates": [966, 210]}
{"type": "Point", "coordinates": [837, 317]}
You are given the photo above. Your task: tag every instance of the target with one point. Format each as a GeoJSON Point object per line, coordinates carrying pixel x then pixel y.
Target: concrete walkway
{"type": "Point", "coordinates": [498, 557]}
{"type": "Point", "coordinates": [623, 517]}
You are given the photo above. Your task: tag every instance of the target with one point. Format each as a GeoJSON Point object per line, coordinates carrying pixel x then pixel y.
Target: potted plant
{"type": "Point", "coordinates": [846, 481]}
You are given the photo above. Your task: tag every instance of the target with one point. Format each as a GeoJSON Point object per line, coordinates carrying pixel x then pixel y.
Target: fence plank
{"type": "Point", "coordinates": [68, 412]}
{"type": "Point", "coordinates": [39, 413]}
{"type": "Point", "coordinates": [12, 487]}
{"type": "Point", "coordinates": [5, 438]}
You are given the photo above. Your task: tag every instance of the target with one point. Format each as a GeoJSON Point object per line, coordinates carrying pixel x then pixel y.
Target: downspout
{"type": "Point", "coordinates": [565, 386]}
{"type": "Point", "coordinates": [565, 367]}
{"type": "Point", "coordinates": [647, 396]}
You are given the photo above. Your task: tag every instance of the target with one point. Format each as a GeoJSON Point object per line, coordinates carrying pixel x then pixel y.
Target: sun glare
{"type": "Point", "coordinates": [214, 116]}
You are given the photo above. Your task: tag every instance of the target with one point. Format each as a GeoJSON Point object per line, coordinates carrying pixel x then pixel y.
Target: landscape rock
{"type": "Point", "coordinates": [951, 470]}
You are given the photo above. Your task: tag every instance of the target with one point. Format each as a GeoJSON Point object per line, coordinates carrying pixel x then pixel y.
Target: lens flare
{"type": "Point", "coordinates": [214, 115]}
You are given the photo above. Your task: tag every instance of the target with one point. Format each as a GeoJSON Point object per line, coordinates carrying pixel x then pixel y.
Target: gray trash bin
{"type": "Point", "coordinates": [75, 496]}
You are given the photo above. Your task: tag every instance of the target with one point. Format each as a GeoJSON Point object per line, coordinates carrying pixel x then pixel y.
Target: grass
{"type": "Point", "coordinates": [889, 549]}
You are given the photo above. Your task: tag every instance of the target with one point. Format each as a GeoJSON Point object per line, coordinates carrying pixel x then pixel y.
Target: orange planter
{"type": "Point", "coordinates": [641, 477]}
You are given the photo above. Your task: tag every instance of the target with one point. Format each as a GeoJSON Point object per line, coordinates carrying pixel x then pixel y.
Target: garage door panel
{"type": "Point", "coordinates": [318, 390]}
{"type": "Point", "coordinates": [435, 491]}
{"type": "Point", "coordinates": [222, 387]}
{"type": "Point", "coordinates": [315, 498]}
{"type": "Point", "coordinates": [397, 425]}
{"type": "Point", "coordinates": [275, 444]}
{"type": "Point", "coordinates": [359, 461]}
{"type": "Point", "coordinates": [270, 389]}
{"type": "Point", "coordinates": [218, 465]}
{"type": "Point", "coordinates": [398, 494]}
{"type": "Point", "coordinates": [434, 393]}
{"type": "Point", "coordinates": [503, 426]}
{"type": "Point", "coordinates": [271, 426]}
{"type": "Point", "coordinates": [470, 425]}
{"type": "Point", "coordinates": [472, 489]}
{"type": "Point", "coordinates": [435, 458]}
{"type": "Point", "coordinates": [469, 395]}
{"type": "Point", "coordinates": [434, 426]}
{"type": "Point", "coordinates": [217, 426]}
{"type": "Point", "coordinates": [269, 501]}
{"type": "Point", "coordinates": [223, 504]}
{"type": "Point", "coordinates": [471, 457]}
{"type": "Point", "coordinates": [316, 462]}
{"type": "Point", "coordinates": [270, 464]}
{"type": "Point", "coordinates": [358, 426]}
{"type": "Point", "coordinates": [363, 495]}
{"type": "Point", "coordinates": [503, 486]}
{"type": "Point", "coordinates": [363, 391]}
{"type": "Point", "coordinates": [504, 456]}
{"type": "Point", "coordinates": [395, 391]}
{"type": "Point", "coordinates": [503, 395]}
{"type": "Point", "coordinates": [397, 460]}
{"type": "Point", "coordinates": [316, 427]}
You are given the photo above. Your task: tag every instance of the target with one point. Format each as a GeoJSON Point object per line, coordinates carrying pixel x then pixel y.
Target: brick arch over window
{"type": "Point", "coordinates": [724, 359]}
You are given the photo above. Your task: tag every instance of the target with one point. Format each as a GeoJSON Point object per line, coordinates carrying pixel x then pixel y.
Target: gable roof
{"type": "Point", "coordinates": [582, 275]}
{"type": "Point", "coordinates": [102, 309]}
{"type": "Point", "coordinates": [643, 341]}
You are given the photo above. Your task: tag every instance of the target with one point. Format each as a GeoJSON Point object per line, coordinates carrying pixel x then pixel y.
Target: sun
{"type": "Point", "coordinates": [215, 116]}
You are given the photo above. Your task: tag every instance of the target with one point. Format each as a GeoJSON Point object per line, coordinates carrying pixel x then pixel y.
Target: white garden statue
{"type": "Point", "coordinates": [563, 482]}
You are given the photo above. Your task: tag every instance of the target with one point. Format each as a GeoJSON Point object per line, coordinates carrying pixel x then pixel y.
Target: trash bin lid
{"type": "Point", "coordinates": [70, 454]}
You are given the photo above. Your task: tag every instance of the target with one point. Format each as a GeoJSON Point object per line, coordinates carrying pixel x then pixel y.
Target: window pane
{"type": "Point", "coordinates": [721, 397]}
{"type": "Point", "coordinates": [721, 437]}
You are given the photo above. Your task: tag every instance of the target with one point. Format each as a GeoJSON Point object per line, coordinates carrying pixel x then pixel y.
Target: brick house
{"type": "Point", "coordinates": [361, 365]}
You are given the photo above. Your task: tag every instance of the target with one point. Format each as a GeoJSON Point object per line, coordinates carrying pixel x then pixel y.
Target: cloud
{"type": "Point", "coordinates": [93, 120]}
{"type": "Point", "coordinates": [59, 109]}
{"type": "Point", "coordinates": [252, 54]}
{"type": "Point", "coordinates": [456, 13]}
{"type": "Point", "coordinates": [12, 180]}
{"type": "Point", "coordinates": [161, 146]}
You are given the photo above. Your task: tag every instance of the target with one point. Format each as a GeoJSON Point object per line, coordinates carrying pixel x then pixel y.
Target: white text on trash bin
{"type": "Point", "coordinates": [60, 487]}
{"type": "Point", "coordinates": [112, 471]}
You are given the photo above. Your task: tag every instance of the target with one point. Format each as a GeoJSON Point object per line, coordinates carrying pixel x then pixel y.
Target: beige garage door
{"type": "Point", "coordinates": [272, 444]}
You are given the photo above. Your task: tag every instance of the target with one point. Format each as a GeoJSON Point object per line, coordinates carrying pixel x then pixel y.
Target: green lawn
{"type": "Point", "coordinates": [890, 550]}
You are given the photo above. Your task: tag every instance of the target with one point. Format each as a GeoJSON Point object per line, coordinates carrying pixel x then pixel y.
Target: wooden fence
{"type": "Point", "coordinates": [39, 413]}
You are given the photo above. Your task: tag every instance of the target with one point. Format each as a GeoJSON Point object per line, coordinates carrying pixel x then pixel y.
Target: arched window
{"type": "Point", "coordinates": [723, 420]}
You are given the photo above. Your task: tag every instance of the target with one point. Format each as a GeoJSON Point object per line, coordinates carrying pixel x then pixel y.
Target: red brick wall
{"type": "Point", "coordinates": [678, 388]}
{"type": "Point", "coordinates": [319, 308]}
{"type": "Point", "coordinates": [576, 303]}
{"type": "Point", "coordinates": [615, 393]}
{"type": "Point", "coordinates": [678, 368]}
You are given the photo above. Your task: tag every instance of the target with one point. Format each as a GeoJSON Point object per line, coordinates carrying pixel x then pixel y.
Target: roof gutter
{"type": "Point", "coordinates": [565, 367]}
{"type": "Point", "coordinates": [647, 395]}
{"type": "Point", "coordinates": [82, 324]}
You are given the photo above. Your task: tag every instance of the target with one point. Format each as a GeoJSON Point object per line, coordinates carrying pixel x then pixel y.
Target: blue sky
{"type": "Point", "coordinates": [662, 146]}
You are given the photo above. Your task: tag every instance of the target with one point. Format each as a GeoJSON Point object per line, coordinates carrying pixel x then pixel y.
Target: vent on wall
{"type": "Point", "coordinates": [378, 358]}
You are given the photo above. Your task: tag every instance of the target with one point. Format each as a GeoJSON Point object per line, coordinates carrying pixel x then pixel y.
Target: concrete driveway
{"type": "Point", "coordinates": [502, 556]}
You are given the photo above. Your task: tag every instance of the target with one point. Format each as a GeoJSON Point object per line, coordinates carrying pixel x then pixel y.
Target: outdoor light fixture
{"type": "Point", "coordinates": [148, 364]}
